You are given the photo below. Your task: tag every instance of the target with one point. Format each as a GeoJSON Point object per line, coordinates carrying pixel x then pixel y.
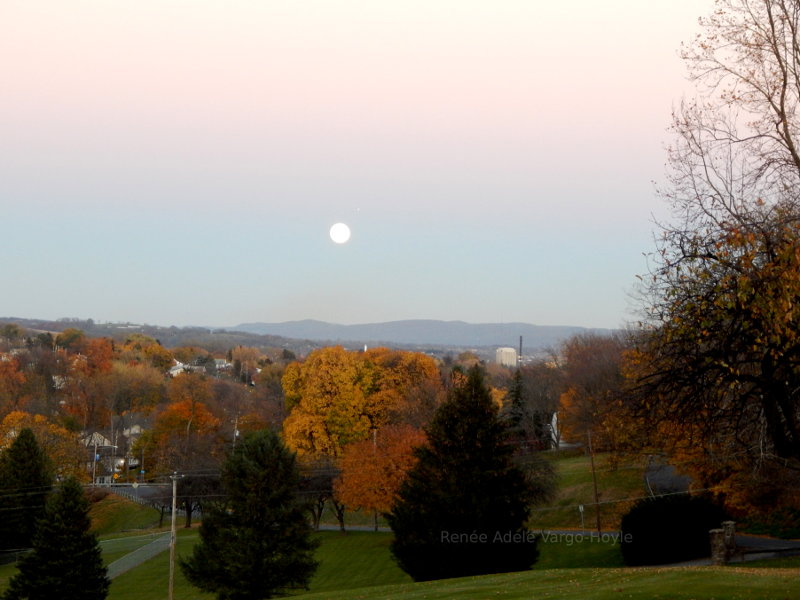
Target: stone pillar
{"type": "Point", "coordinates": [729, 527]}
{"type": "Point", "coordinates": [719, 553]}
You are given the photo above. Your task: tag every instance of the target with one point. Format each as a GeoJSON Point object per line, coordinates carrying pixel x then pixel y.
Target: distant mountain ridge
{"type": "Point", "coordinates": [423, 332]}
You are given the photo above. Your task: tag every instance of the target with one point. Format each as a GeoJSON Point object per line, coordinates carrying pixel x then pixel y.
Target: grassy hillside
{"type": "Point", "coordinates": [361, 558]}
{"type": "Point", "coordinates": [357, 559]}
{"type": "Point", "coordinates": [112, 514]}
{"type": "Point", "coordinates": [617, 485]}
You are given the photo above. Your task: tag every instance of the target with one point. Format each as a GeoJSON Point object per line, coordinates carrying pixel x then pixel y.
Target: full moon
{"type": "Point", "coordinates": [340, 233]}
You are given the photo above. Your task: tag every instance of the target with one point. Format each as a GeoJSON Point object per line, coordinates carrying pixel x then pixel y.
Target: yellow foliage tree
{"type": "Point", "coordinates": [328, 404]}
{"type": "Point", "coordinates": [62, 447]}
{"type": "Point", "coordinates": [338, 397]}
{"type": "Point", "coordinates": [139, 348]}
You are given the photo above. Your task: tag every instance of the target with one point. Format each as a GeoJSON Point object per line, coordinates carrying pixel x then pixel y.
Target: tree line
{"type": "Point", "coordinates": [355, 417]}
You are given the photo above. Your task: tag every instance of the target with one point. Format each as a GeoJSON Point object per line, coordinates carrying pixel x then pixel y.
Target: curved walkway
{"type": "Point", "coordinates": [137, 557]}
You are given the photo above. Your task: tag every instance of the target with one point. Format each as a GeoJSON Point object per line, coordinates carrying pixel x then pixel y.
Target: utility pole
{"type": "Point", "coordinates": [94, 463]}
{"type": "Point", "coordinates": [172, 536]}
{"type": "Point", "coordinates": [594, 482]}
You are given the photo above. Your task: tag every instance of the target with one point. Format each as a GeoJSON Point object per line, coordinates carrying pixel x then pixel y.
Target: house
{"type": "Point", "coordinates": [101, 457]}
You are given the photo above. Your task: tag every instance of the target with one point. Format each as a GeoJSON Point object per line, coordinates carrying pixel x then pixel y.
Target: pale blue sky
{"type": "Point", "coordinates": [177, 162]}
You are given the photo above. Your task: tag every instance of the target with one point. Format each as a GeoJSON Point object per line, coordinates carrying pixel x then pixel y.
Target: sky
{"type": "Point", "coordinates": [180, 162]}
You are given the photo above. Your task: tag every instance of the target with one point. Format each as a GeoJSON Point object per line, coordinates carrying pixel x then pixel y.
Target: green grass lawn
{"type": "Point", "coordinates": [577, 551]}
{"type": "Point", "coordinates": [697, 583]}
{"type": "Point", "coordinates": [6, 571]}
{"type": "Point", "coordinates": [790, 562]}
{"type": "Point", "coordinates": [359, 565]}
{"type": "Point", "coordinates": [357, 559]}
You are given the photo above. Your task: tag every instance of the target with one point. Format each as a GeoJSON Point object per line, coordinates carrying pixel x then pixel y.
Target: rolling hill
{"type": "Point", "coordinates": [423, 332]}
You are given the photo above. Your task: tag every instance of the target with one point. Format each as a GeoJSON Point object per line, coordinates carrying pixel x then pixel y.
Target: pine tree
{"type": "Point", "coordinates": [256, 544]}
{"type": "Point", "coordinates": [26, 477]}
{"type": "Point", "coordinates": [462, 509]}
{"type": "Point", "coordinates": [514, 412]}
{"type": "Point", "coordinates": [65, 562]}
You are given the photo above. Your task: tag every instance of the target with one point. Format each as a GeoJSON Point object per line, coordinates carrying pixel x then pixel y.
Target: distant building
{"type": "Point", "coordinates": [221, 364]}
{"type": "Point", "coordinates": [506, 357]}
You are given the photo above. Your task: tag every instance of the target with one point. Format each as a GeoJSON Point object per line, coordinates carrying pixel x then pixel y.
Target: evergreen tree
{"type": "Point", "coordinates": [529, 407]}
{"type": "Point", "coordinates": [65, 562]}
{"type": "Point", "coordinates": [462, 509]}
{"type": "Point", "coordinates": [26, 477]}
{"type": "Point", "coordinates": [257, 544]}
{"type": "Point", "coordinates": [514, 412]}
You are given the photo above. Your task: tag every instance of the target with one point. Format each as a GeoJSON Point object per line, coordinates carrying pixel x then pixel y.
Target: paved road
{"type": "Point", "coordinates": [749, 548]}
{"type": "Point", "coordinates": [754, 547]}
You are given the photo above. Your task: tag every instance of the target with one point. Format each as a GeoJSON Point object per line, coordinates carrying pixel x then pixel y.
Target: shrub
{"type": "Point", "coordinates": [669, 529]}
{"type": "Point", "coordinates": [781, 522]}
{"type": "Point", "coordinates": [96, 494]}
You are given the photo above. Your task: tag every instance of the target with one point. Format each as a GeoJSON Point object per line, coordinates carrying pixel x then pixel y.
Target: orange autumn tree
{"type": "Point", "coordinates": [12, 382]}
{"type": "Point", "coordinates": [372, 470]}
{"type": "Point", "coordinates": [709, 455]}
{"type": "Point", "coordinates": [593, 379]}
{"type": "Point", "coordinates": [184, 435]}
{"type": "Point", "coordinates": [61, 446]}
{"type": "Point", "coordinates": [85, 397]}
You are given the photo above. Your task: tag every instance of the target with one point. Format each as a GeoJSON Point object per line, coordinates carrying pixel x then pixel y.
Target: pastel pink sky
{"type": "Point", "coordinates": [520, 136]}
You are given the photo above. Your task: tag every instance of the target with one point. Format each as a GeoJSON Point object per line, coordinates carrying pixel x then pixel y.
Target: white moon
{"type": "Point", "coordinates": [340, 233]}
